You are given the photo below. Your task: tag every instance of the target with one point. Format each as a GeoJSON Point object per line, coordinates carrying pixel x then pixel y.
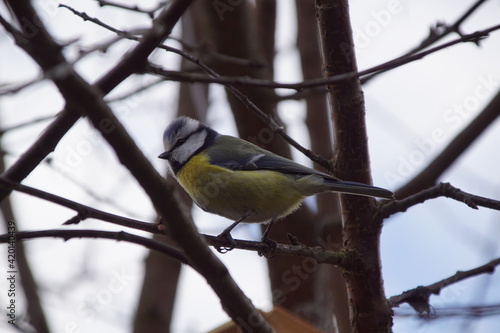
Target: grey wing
{"type": "Point", "coordinates": [237, 154]}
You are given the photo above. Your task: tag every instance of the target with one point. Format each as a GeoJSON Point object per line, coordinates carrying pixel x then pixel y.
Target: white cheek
{"type": "Point", "coordinates": [193, 143]}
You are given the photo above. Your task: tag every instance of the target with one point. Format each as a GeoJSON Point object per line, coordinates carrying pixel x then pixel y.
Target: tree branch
{"type": "Point", "coordinates": [435, 35]}
{"type": "Point", "coordinates": [116, 235]}
{"type": "Point", "coordinates": [87, 100]}
{"type": "Point", "coordinates": [418, 298]}
{"type": "Point", "coordinates": [428, 176]}
{"type": "Point", "coordinates": [472, 311]}
{"type": "Point", "coordinates": [342, 259]}
{"type": "Point", "coordinates": [135, 8]}
{"type": "Point", "coordinates": [83, 211]}
{"type": "Point", "coordinates": [439, 190]}
{"type": "Point", "coordinates": [214, 76]}
{"type": "Point", "coordinates": [261, 114]}
{"type": "Point", "coordinates": [48, 140]}
{"type": "Point", "coordinates": [317, 82]}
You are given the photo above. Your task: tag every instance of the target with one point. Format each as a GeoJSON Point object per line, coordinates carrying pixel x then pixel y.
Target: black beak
{"type": "Point", "coordinates": [164, 155]}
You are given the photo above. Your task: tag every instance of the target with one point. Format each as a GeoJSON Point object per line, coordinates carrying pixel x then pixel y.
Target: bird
{"type": "Point", "coordinates": [238, 180]}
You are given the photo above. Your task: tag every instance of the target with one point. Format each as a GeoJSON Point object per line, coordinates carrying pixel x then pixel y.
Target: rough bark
{"type": "Point", "coordinates": [361, 235]}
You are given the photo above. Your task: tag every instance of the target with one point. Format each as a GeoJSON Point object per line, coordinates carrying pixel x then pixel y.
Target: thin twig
{"type": "Point", "coordinates": [342, 259]}
{"type": "Point", "coordinates": [134, 92]}
{"type": "Point", "coordinates": [261, 114]}
{"type": "Point", "coordinates": [25, 124]}
{"type": "Point", "coordinates": [440, 190]}
{"type": "Point", "coordinates": [67, 118]}
{"type": "Point", "coordinates": [473, 37]}
{"type": "Point", "coordinates": [435, 35]}
{"type": "Point", "coordinates": [95, 20]}
{"type": "Point", "coordinates": [87, 100]}
{"type": "Point", "coordinates": [311, 83]}
{"type": "Point", "coordinates": [116, 235]}
{"type": "Point", "coordinates": [471, 311]}
{"type": "Point", "coordinates": [418, 298]}
{"type": "Point", "coordinates": [135, 8]}
{"type": "Point", "coordinates": [453, 150]}
{"type": "Point", "coordinates": [320, 255]}
{"type": "Point", "coordinates": [109, 200]}
{"type": "Point", "coordinates": [207, 50]}
{"type": "Point", "coordinates": [227, 82]}
{"type": "Point", "coordinates": [14, 88]}
{"type": "Point", "coordinates": [83, 211]}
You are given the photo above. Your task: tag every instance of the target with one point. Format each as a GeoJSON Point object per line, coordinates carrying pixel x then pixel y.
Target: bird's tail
{"type": "Point", "coordinates": [358, 189]}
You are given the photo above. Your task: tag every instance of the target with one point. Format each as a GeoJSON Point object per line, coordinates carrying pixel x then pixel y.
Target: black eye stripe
{"type": "Point", "coordinates": [181, 141]}
{"type": "Point", "coordinates": [178, 143]}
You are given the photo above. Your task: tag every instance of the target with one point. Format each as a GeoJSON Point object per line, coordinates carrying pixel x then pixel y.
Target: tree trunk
{"type": "Point", "coordinates": [369, 310]}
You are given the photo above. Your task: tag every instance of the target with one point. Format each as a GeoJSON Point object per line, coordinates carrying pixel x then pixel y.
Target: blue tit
{"type": "Point", "coordinates": [238, 180]}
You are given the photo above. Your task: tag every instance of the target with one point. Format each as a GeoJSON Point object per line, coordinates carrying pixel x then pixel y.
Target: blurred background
{"type": "Point", "coordinates": [413, 113]}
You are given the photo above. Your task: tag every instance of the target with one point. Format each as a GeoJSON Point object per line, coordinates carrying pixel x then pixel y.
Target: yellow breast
{"type": "Point", "coordinates": [234, 193]}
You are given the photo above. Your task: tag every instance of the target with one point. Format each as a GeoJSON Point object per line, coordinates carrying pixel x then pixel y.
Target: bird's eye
{"type": "Point", "coordinates": [180, 141]}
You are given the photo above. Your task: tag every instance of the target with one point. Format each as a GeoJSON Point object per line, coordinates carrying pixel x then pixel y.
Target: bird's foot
{"type": "Point", "coordinates": [226, 238]}
{"type": "Point", "coordinates": [269, 250]}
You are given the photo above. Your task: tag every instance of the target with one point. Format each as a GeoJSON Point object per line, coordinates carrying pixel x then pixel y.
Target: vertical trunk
{"type": "Point", "coordinates": [368, 307]}
{"type": "Point", "coordinates": [333, 294]}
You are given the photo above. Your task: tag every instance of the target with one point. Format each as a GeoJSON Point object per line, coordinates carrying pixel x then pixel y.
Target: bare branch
{"type": "Point", "coordinates": [87, 100]}
{"type": "Point", "coordinates": [14, 88]}
{"type": "Point", "coordinates": [86, 17]}
{"type": "Point", "coordinates": [83, 211]}
{"type": "Point", "coordinates": [440, 190]}
{"type": "Point", "coordinates": [214, 76]}
{"type": "Point", "coordinates": [475, 311]}
{"type": "Point", "coordinates": [306, 84]}
{"type": "Point", "coordinates": [228, 81]}
{"type": "Point", "coordinates": [428, 176]}
{"type": "Point", "coordinates": [436, 33]}
{"type": "Point", "coordinates": [418, 298]}
{"type": "Point", "coordinates": [207, 50]}
{"type": "Point", "coordinates": [135, 8]}
{"type": "Point", "coordinates": [342, 259]}
{"type": "Point", "coordinates": [261, 114]}
{"type": "Point", "coordinates": [312, 83]}
{"type": "Point", "coordinates": [138, 90]}
{"type": "Point", "coordinates": [47, 142]}
{"type": "Point", "coordinates": [135, 35]}
{"type": "Point", "coordinates": [116, 235]}
{"type": "Point", "coordinates": [84, 186]}
{"type": "Point", "coordinates": [28, 123]}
